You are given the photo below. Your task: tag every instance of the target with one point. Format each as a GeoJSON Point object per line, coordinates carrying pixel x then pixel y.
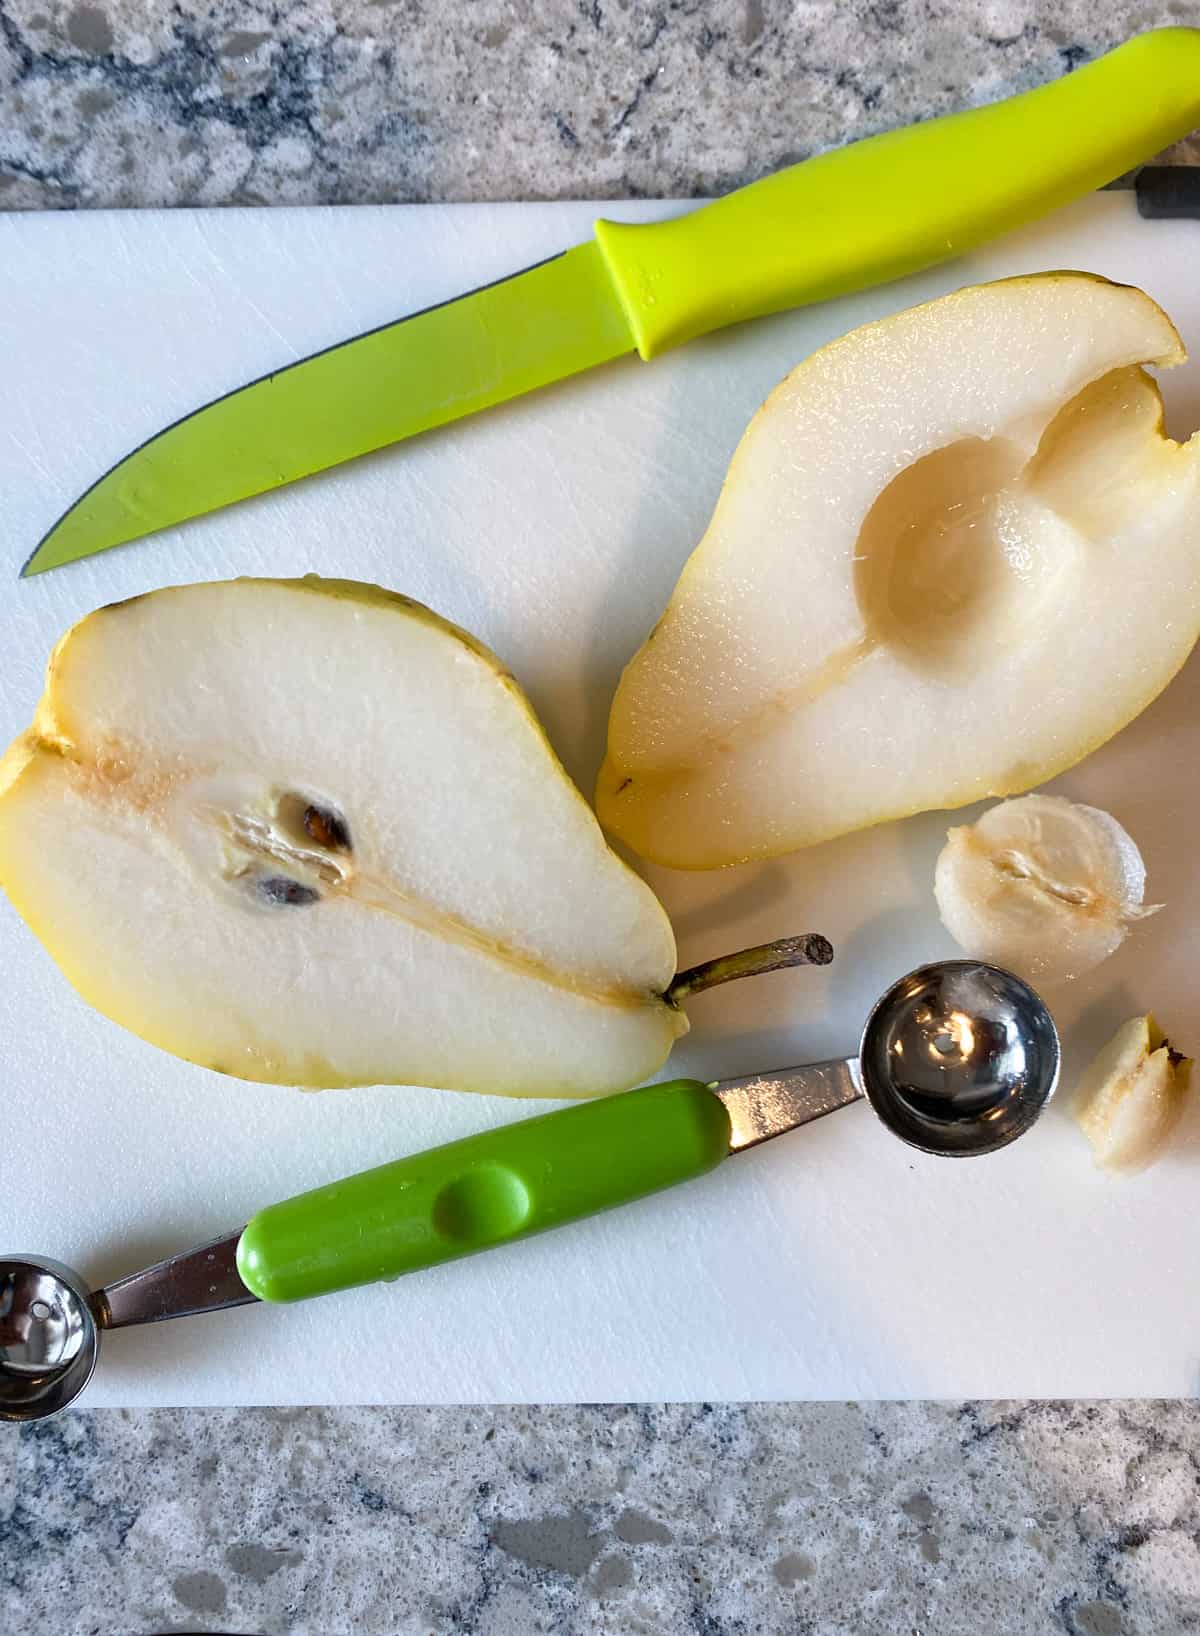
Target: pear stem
{"type": "Point", "coordinates": [809, 949]}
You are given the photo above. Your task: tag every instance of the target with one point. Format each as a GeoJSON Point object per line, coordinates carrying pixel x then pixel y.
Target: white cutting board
{"type": "Point", "coordinates": [833, 1263]}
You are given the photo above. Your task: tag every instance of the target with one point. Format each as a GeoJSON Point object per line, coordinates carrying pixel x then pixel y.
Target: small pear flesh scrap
{"type": "Point", "coordinates": [1132, 1096]}
{"type": "Point", "coordinates": [1044, 886]}
{"type": "Point", "coordinates": [308, 832]}
{"type": "Point", "coordinates": [954, 553]}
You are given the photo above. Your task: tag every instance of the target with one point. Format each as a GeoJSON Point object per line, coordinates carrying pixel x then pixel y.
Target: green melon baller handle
{"type": "Point", "coordinates": [892, 204]}
{"type": "Point", "coordinates": [489, 1189]}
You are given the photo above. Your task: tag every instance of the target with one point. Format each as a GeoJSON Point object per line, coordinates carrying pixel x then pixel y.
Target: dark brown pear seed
{"type": "Point", "coordinates": [327, 828]}
{"type": "Point", "coordinates": [280, 892]}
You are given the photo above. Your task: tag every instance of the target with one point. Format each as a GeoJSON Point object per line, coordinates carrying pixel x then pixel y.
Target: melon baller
{"type": "Point", "coordinates": [957, 1058]}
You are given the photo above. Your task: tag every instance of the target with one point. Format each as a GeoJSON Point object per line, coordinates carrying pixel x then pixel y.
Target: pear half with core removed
{"type": "Point", "coordinates": [308, 832]}
{"type": "Point", "coordinates": [954, 553]}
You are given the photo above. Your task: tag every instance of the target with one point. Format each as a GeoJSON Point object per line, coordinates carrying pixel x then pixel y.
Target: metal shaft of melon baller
{"type": "Point", "coordinates": [205, 1279]}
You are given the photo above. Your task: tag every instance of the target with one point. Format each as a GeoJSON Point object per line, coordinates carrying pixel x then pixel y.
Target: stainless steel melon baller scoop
{"type": "Point", "coordinates": [957, 1058]}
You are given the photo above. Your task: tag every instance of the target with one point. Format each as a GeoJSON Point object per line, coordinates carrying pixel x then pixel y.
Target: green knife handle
{"type": "Point", "coordinates": [892, 204]}
{"type": "Point", "coordinates": [489, 1189]}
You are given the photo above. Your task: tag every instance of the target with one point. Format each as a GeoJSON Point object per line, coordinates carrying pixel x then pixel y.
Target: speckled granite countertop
{"type": "Point", "coordinates": [803, 1520]}
{"type": "Point", "coordinates": [133, 102]}
{"type": "Point", "coordinates": [816, 1520]}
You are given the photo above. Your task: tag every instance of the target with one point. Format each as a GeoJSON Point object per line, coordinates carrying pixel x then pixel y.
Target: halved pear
{"type": "Point", "coordinates": [308, 832]}
{"type": "Point", "coordinates": [954, 553]}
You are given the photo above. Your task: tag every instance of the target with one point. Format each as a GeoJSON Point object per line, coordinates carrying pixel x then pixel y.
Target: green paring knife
{"type": "Point", "coordinates": [861, 215]}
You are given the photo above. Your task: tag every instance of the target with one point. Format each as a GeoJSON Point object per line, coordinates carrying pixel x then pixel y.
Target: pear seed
{"type": "Point", "coordinates": [327, 828]}
{"type": "Point", "coordinates": [279, 891]}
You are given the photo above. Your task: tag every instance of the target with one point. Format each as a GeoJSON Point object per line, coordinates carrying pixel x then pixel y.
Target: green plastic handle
{"type": "Point", "coordinates": [489, 1189]}
{"type": "Point", "coordinates": [892, 204]}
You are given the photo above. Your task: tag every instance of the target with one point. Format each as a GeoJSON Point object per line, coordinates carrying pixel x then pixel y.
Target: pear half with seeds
{"type": "Point", "coordinates": [954, 553]}
{"type": "Point", "coordinates": [308, 832]}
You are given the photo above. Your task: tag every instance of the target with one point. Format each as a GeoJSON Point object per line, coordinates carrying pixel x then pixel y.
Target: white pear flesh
{"type": "Point", "coordinates": [954, 553]}
{"type": "Point", "coordinates": [476, 932]}
{"type": "Point", "coordinates": [1044, 886]}
{"type": "Point", "coordinates": [1132, 1096]}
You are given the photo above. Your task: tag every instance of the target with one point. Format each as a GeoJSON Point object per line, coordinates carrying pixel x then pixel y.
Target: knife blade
{"type": "Point", "coordinates": [860, 215]}
{"type": "Point", "coordinates": [524, 331]}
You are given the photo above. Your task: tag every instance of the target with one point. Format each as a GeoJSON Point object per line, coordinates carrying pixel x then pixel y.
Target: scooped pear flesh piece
{"type": "Point", "coordinates": [1132, 1096]}
{"type": "Point", "coordinates": [1041, 885]}
{"type": "Point", "coordinates": [308, 832]}
{"type": "Point", "coordinates": [954, 553]}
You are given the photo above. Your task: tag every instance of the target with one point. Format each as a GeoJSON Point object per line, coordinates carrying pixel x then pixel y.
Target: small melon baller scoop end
{"type": "Point", "coordinates": [957, 1058]}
